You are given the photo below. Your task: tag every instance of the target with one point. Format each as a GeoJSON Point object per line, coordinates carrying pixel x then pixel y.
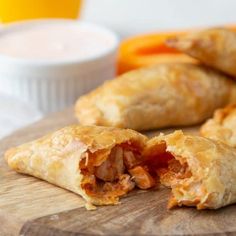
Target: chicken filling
{"type": "Point", "coordinates": [174, 172]}
{"type": "Point", "coordinates": [110, 175]}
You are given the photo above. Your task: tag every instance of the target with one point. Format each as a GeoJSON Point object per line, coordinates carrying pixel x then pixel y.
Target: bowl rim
{"type": "Point", "coordinates": [59, 62]}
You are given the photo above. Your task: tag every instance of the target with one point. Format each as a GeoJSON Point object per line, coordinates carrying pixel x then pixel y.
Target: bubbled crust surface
{"type": "Point", "coordinates": [214, 47]}
{"type": "Point", "coordinates": [159, 96]}
{"type": "Point", "coordinates": [56, 157]}
{"type": "Point", "coordinates": [222, 126]}
{"type": "Point", "coordinates": [211, 162]}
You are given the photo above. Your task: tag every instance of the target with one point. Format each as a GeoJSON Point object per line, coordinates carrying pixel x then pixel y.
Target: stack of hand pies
{"type": "Point", "coordinates": [103, 159]}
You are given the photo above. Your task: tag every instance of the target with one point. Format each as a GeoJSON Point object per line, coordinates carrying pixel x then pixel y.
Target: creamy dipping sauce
{"type": "Point", "coordinates": [58, 40]}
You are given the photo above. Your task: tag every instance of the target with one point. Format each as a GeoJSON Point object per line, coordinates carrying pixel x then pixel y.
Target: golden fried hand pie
{"type": "Point", "coordinates": [159, 96]}
{"type": "Point", "coordinates": [222, 126]}
{"type": "Point", "coordinates": [99, 163]}
{"type": "Point", "coordinates": [214, 47]}
{"type": "Point", "coordinates": [200, 172]}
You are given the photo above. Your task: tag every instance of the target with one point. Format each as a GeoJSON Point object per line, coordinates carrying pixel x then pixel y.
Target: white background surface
{"type": "Point", "coordinates": [129, 17]}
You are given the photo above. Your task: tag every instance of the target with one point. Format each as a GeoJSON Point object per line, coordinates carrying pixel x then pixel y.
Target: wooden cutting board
{"type": "Point", "coordinates": [29, 206]}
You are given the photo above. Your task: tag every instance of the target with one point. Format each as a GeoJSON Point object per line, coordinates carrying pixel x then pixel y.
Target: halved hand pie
{"type": "Point", "coordinates": [99, 163]}
{"type": "Point", "coordinates": [200, 172]}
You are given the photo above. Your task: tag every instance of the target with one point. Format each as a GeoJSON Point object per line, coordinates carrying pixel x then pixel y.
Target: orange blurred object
{"type": "Point", "coordinates": [15, 10]}
{"type": "Point", "coordinates": [149, 49]}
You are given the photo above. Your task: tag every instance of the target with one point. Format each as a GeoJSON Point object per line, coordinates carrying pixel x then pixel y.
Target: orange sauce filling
{"type": "Point", "coordinates": [115, 174]}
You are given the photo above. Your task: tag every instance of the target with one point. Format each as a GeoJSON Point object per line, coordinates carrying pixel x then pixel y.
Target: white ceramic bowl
{"type": "Point", "coordinates": [51, 85]}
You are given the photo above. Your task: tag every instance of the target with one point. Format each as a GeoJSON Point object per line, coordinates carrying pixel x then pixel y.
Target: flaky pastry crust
{"type": "Point", "coordinates": [66, 157]}
{"type": "Point", "coordinates": [201, 172]}
{"type": "Point", "coordinates": [164, 95]}
{"type": "Point", "coordinates": [214, 47]}
{"type": "Point", "coordinates": [222, 126]}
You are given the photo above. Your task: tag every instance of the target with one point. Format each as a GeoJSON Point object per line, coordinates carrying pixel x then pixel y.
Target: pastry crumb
{"type": "Point", "coordinates": [90, 207]}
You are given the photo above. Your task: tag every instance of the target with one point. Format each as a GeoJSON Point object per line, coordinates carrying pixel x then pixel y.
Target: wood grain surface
{"type": "Point", "coordinates": [29, 206]}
